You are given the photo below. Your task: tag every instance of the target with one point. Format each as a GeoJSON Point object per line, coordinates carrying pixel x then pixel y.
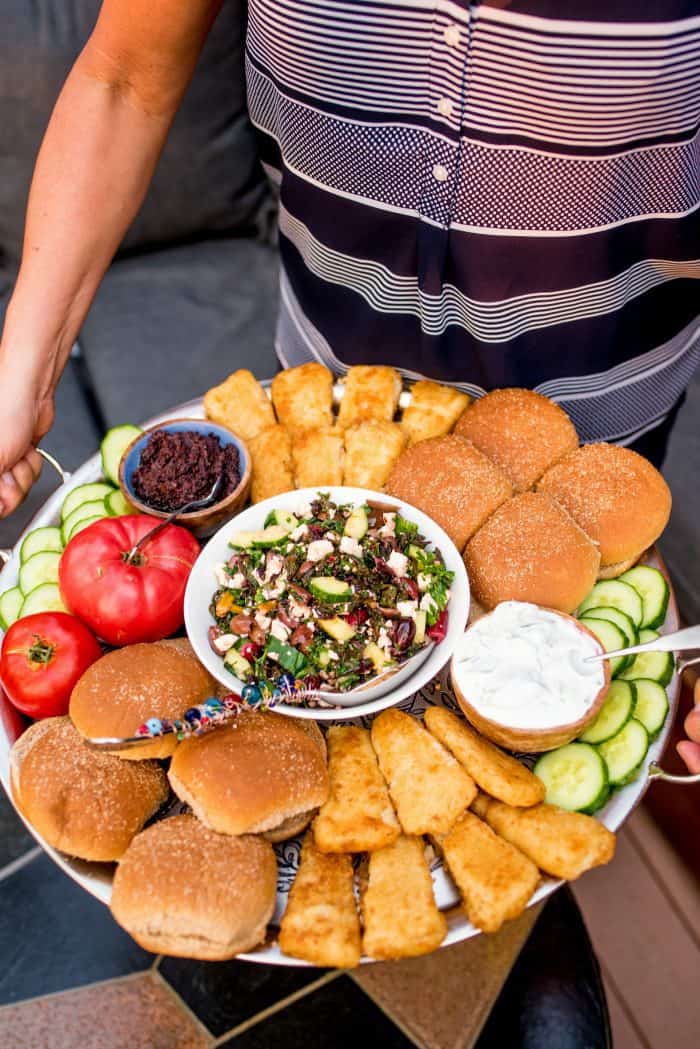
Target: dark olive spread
{"type": "Point", "coordinates": [180, 467]}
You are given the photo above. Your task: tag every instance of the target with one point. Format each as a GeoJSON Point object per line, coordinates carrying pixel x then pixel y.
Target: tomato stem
{"type": "Point", "coordinates": [41, 651]}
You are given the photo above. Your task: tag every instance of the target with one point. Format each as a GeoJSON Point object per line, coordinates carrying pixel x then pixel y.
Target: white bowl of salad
{"type": "Point", "coordinates": [323, 601]}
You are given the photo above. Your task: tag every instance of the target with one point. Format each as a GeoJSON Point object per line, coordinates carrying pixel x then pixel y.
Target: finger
{"type": "Point", "coordinates": [692, 725]}
{"type": "Point", "coordinates": [11, 495]}
{"type": "Point", "coordinates": [23, 475]}
{"type": "Point", "coordinates": [36, 462]}
{"type": "Point", "coordinates": [696, 695]}
{"type": "Point", "coordinates": [690, 752]}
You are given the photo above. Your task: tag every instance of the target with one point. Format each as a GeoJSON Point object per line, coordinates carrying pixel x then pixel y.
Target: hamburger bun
{"type": "Point", "coordinates": [83, 802]}
{"type": "Point", "coordinates": [619, 499]}
{"type": "Point", "coordinates": [129, 685]}
{"type": "Point", "coordinates": [182, 889]}
{"type": "Point", "coordinates": [531, 550]}
{"type": "Point", "coordinates": [521, 431]}
{"type": "Point", "coordinates": [259, 774]}
{"type": "Point", "coordinates": [452, 482]}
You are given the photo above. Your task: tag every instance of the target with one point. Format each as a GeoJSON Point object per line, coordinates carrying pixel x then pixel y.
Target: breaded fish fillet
{"type": "Point", "coordinates": [303, 396]}
{"type": "Point", "coordinates": [271, 456]}
{"type": "Point", "coordinates": [496, 773]}
{"type": "Point", "coordinates": [429, 788]}
{"type": "Point", "coordinates": [399, 913]}
{"type": "Point", "coordinates": [371, 449]}
{"type": "Point", "coordinates": [317, 455]}
{"type": "Point", "coordinates": [321, 923]}
{"type": "Point", "coordinates": [358, 816]}
{"type": "Point", "coordinates": [241, 404]}
{"type": "Point", "coordinates": [433, 411]}
{"type": "Point", "coordinates": [371, 392]}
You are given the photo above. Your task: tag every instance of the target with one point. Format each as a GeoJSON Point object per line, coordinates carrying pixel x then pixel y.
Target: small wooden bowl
{"type": "Point", "coordinates": [202, 523]}
{"type": "Point", "coordinates": [533, 741]}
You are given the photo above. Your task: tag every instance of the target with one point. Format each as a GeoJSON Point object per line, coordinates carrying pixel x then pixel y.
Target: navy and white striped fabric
{"type": "Point", "coordinates": [491, 194]}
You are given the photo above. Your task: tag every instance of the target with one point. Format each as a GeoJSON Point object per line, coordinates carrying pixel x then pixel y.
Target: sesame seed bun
{"type": "Point", "coordinates": [181, 889]}
{"type": "Point", "coordinates": [261, 773]}
{"type": "Point", "coordinates": [129, 685]}
{"type": "Point", "coordinates": [84, 802]}
{"type": "Point", "coordinates": [531, 550]}
{"type": "Point", "coordinates": [452, 482]}
{"type": "Point", "coordinates": [521, 431]}
{"type": "Point", "coordinates": [619, 499]}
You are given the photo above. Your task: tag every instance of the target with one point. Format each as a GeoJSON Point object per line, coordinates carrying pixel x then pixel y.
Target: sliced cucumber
{"type": "Point", "coordinates": [330, 590]}
{"type": "Point", "coordinates": [611, 593]}
{"type": "Point", "coordinates": [10, 606]}
{"type": "Point", "coordinates": [625, 752]}
{"type": "Point", "coordinates": [113, 446]}
{"type": "Point", "coordinates": [283, 518]}
{"type": "Point", "coordinates": [611, 638]}
{"type": "Point", "coordinates": [575, 777]}
{"type": "Point", "coordinates": [653, 590]}
{"type": "Point", "coordinates": [356, 524]}
{"type": "Point", "coordinates": [85, 523]}
{"type": "Point", "coordinates": [45, 598]}
{"type": "Point", "coordinates": [655, 666]}
{"type": "Point", "coordinates": [652, 705]}
{"type": "Point", "coordinates": [41, 568]}
{"type": "Point", "coordinates": [415, 551]}
{"type": "Point", "coordinates": [40, 541]}
{"type": "Point", "coordinates": [618, 708]}
{"type": "Point", "coordinates": [337, 628]}
{"type": "Point", "coordinates": [95, 508]}
{"type": "Point", "coordinates": [84, 493]}
{"type": "Point", "coordinates": [379, 658]}
{"type": "Point", "coordinates": [116, 505]}
{"type": "Point", "coordinates": [421, 621]}
{"type": "Point", "coordinates": [241, 540]}
{"type": "Point", "coordinates": [238, 664]}
{"type": "Point", "coordinates": [614, 615]}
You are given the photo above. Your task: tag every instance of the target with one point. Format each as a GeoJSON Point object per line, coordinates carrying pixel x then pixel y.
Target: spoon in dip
{"type": "Point", "coordinates": [195, 504]}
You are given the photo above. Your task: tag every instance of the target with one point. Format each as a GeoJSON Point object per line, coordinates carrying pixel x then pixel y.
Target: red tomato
{"type": "Point", "coordinates": [128, 601]}
{"type": "Point", "coordinates": [43, 656]}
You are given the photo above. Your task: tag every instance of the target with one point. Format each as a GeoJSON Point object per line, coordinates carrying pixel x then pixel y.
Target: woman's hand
{"type": "Point", "coordinates": [27, 414]}
{"type": "Point", "coordinates": [689, 749]}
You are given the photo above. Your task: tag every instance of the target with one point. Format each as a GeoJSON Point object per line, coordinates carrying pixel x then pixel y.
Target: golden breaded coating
{"type": "Point", "coordinates": [429, 788]}
{"type": "Point", "coordinates": [494, 879]}
{"type": "Point", "coordinates": [318, 457]}
{"type": "Point", "coordinates": [497, 773]}
{"type": "Point", "coordinates": [303, 396]}
{"type": "Point", "coordinates": [358, 816]}
{"type": "Point", "coordinates": [399, 913]}
{"type": "Point", "coordinates": [371, 392]}
{"type": "Point", "coordinates": [433, 411]}
{"type": "Point", "coordinates": [241, 404]}
{"type": "Point", "coordinates": [271, 458]}
{"type": "Point", "coordinates": [563, 844]}
{"type": "Point", "coordinates": [371, 449]}
{"type": "Point", "coordinates": [321, 923]}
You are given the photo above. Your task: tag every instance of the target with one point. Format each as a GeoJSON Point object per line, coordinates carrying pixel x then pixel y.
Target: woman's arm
{"type": "Point", "coordinates": [94, 167]}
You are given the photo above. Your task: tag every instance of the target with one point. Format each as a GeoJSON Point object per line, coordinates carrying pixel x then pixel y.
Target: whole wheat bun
{"type": "Point", "coordinates": [619, 499]}
{"type": "Point", "coordinates": [126, 687]}
{"type": "Point", "coordinates": [182, 889]}
{"type": "Point", "coordinates": [531, 550]}
{"type": "Point", "coordinates": [452, 482]}
{"type": "Point", "coordinates": [261, 773]}
{"type": "Point", "coordinates": [521, 431]}
{"type": "Point", "coordinates": [84, 802]}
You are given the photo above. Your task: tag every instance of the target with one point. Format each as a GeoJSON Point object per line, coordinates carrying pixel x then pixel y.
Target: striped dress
{"type": "Point", "coordinates": [490, 194]}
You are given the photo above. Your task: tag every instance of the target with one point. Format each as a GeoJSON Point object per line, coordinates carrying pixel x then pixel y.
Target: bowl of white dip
{"type": "Point", "coordinates": [521, 676]}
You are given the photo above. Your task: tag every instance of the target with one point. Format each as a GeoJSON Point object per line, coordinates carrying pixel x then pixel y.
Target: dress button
{"type": "Point", "coordinates": [445, 107]}
{"type": "Point", "coordinates": [452, 36]}
{"type": "Point", "coordinates": [440, 173]}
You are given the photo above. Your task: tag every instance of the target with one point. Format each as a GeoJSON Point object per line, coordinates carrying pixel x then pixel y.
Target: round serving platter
{"type": "Point", "coordinates": [96, 878]}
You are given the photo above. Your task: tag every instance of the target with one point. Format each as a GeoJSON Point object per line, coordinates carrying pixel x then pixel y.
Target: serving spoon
{"type": "Point", "coordinates": [188, 508]}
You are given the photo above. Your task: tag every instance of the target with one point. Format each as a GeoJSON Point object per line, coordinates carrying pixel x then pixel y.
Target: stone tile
{"type": "Point", "coordinates": [136, 1013]}
{"type": "Point", "coordinates": [336, 1016]}
{"type": "Point", "coordinates": [55, 936]}
{"type": "Point", "coordinates": [15, 840]}
{"type": "Point", "coordinates": [225, 994]}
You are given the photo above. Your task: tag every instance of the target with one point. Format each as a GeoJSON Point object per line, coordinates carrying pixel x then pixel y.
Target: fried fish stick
{"type": "Point", "coordinates": [271, 456]}
{"type": "Point", "coordinates": [318, 457]}
{"type": "Point", "coordinates": [495, 880]}
{"type": "Point", "coordinates": [358, 816]}
{"type": "Point", "coordinates": [399, 913]}
{"type": "Point", "coordinates": [429, 788]}
{"type": "Point", "coordinates": [371, 449]}
{"type": "Point", "coordinates": [371, 392]}
{"type": "Point", "coordinates": [496, 773]}
{"type": "Point", "coordinates": [241, 404]}
{"type": "Point", "coordinates": [433, 411]}
{"type": "Point", "coordinates": [303, 396]}
{"type": "Point", "coordinates": [321, 923]}
{"type": "Point", "coordinates": [563, 844]}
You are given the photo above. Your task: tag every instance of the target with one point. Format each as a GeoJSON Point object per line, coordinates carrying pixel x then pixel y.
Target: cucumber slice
{"type": "Point", "coordinates": [653, 590]}
{"type": "Point", "coordinates": [95, 508]}
{"type": "Point", "coordinates": [85, 523]}
{"type": "Point", "coordinates": [611, 638]}
{"type": "Point", "coordinates": [421, 621]}
{"type": "Point", "coordinates": [356, 524]}
{"type": "Point", "coordinates": [113, 446]}
{"type": "Point", "coordinates": [84, 493]}
{"type": "Point", "coordinates": [337, 628]}
{"type": "Point", "coordinates": [41, 568]}
{"type": "Point", "coordinates": [611, 593]}
{"type": "Point", "coordinates": [379, 658]}
{"type": "Point", "coordinates": [652, 705]}
{"type": "Point", "coordinates": [614, 615]}
{"type": "Point", "coordinates": [40, 541]}
{"type": "Point", "coordinates": [618, 708]}
{"type": "Point", "coordinates": [625, 752]}
{"type": "Point", "coordinates": [238, 664]}
{"type": "Point", "coordinates": [116, 505]}
{"type": "Point", "coordinates": [271, 536]}
{"type": "Point", "coordinates": [575, 777]}
{"type": "Point", "coordinates": [654, 666]}
{"type": "Point", "coordinates": [283, 518]}
{"type": "Point", "coordinates": [10, 607]}
{"type": "Point", "coordinates": [45, 598]}
{"type": "Point", "coordinates": [330, 590]}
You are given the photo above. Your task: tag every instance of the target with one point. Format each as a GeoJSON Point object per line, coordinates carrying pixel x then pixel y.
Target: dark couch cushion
{"type": "Point", "coordinates": [209, 179]}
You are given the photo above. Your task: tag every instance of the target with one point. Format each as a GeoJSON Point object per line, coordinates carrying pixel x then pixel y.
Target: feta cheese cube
{"type": "Point", "coordinates": [350, 546]}
{"type": "Point", "coordinates": [383, 639]}
{"type": "Point", "coordinates": [223, 643]}
{"type": "Point", "coordinates": [388, 529]}
{"type": "Point", "coordinates": [279, 630]}
{"type": "Point", "coordinates": [319, 549]}
{"type": "Point", "coordinates": [428, 604]}
{"type": "Point", "coordinates": [407, 608]}
{"type": "Point", "coordinates": [299, 532]}
{"type": "Point", "coordinates": [398, 563]}
{"type": "Point", "coordinates": [221, 575]}
{"type": "Point", "coordinates": [274, 564]}
{"type": "Point", "coordinates": [263, 621]}
{"type": "Point", "coordinates": [237, 581]}
{"type": "Point", "coordinates": [423, 581]}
